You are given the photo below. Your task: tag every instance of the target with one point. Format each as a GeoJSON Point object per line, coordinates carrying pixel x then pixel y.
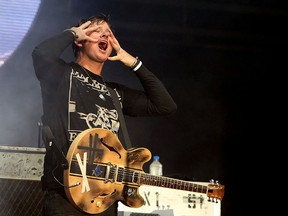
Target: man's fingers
{"type": "Point", "coordinates": [118, 49]}
{"type": "Point", "coordinates": [113, 58]}
{"type": "Point", "coordinates": [88, 38]}
{"type": "Point", "coordinates": [85, 25]}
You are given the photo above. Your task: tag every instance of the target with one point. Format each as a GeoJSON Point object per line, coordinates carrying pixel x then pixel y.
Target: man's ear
{"type": "Point", "coordinates": [79, 43]}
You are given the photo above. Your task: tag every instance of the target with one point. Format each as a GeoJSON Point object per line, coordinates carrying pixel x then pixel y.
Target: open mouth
{"type": "Point", "coordinates": [103, 45]}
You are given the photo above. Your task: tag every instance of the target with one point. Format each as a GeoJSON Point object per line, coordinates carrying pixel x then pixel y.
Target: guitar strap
{"type": "Point", "coordinates": [50, 143]}
{"type": "Point", "coordinates": [121, 117]}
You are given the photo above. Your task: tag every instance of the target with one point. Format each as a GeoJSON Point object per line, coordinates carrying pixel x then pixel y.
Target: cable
{"type": "Point", "coordinates": [73, 185]}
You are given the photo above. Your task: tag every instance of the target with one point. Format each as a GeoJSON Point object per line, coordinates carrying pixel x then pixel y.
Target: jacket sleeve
{"type": "Point", "coordinates": [46, 56]}
{"type": "Point", "coordinates": [154, 100]}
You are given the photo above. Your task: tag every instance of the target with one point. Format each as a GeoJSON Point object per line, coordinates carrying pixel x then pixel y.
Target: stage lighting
{"type": "Point", "coordinates": [16, 18]}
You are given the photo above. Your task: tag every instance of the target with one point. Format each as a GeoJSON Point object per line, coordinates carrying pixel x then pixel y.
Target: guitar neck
{"type": "Point", "coordinates": [166, 182]}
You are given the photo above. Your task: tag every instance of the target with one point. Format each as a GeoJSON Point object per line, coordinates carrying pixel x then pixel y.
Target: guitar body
{"type": "Point", "coordinates": [101, 172]}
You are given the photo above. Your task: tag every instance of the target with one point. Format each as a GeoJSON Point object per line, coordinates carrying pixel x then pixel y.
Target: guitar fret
{"type": "Point", "coordinates": [178, 185]}
{"type": "Point", "coordinates": [135, 177]}
{"type": "Point", "coordinates": [162, 184]}
{"type": "Point", "coordinates": [120, 176]}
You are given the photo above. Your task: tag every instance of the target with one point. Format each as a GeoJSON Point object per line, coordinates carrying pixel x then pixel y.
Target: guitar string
{"type": "Point", "coordinates": [167, 180]}
{"type": "Point", "coordinates": [130, 174]}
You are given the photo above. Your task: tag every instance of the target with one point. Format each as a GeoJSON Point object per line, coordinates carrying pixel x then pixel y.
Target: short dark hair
{"type": "Point", "coordinates": [94, 19]}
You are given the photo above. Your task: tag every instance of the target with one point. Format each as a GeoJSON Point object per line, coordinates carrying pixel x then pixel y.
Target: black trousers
{"type": "Point", "coordinates": [55, 203]}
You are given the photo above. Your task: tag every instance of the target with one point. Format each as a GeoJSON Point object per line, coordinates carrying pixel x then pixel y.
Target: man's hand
{"type": "Point", "coordinates": [121, 55]}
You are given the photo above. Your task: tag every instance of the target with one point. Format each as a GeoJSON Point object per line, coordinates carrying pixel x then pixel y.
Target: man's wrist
{"type": "Point", "coordinates": [73, 32]}
{"type": "Point", "coordinates": [136, 65]}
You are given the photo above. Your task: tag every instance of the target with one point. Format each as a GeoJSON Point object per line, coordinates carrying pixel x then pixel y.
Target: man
{"type": "Point", "coordinates": [75, 97]}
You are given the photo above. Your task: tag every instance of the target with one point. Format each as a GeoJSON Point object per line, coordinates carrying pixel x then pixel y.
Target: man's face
{"type": "Point", "coordinates": [100, 50]}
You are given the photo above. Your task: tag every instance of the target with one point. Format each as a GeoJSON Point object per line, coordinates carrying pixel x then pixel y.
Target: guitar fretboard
{"type": "Point", "coordinates": [132, 176]}
{"type": "Point", "coordinates": [167, 182]}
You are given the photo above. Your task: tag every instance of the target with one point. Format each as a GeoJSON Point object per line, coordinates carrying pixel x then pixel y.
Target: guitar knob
{"type": "Point", "coordinates": [98, 204]}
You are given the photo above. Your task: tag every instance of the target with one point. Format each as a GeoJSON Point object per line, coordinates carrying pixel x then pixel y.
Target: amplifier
{"type": "Point", "coordinates": [20, 197]}
{"type": "Point", "coordinates": [20, 171]}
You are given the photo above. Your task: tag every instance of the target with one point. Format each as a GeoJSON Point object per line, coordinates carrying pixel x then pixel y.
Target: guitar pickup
{"type": "Point", "coordinates": [111, 172]}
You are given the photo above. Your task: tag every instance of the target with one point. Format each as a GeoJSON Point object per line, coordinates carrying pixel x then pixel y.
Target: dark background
{"type": "Point", "coordinates": [214, 56]}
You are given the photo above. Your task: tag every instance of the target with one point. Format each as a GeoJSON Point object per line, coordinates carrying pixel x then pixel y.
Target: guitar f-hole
{"type": "Point", "coordinates": [109, 147]}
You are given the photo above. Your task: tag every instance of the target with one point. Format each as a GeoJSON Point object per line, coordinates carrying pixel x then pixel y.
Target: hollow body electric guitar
{"type": "Point", "coordinates": [102, 172]}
